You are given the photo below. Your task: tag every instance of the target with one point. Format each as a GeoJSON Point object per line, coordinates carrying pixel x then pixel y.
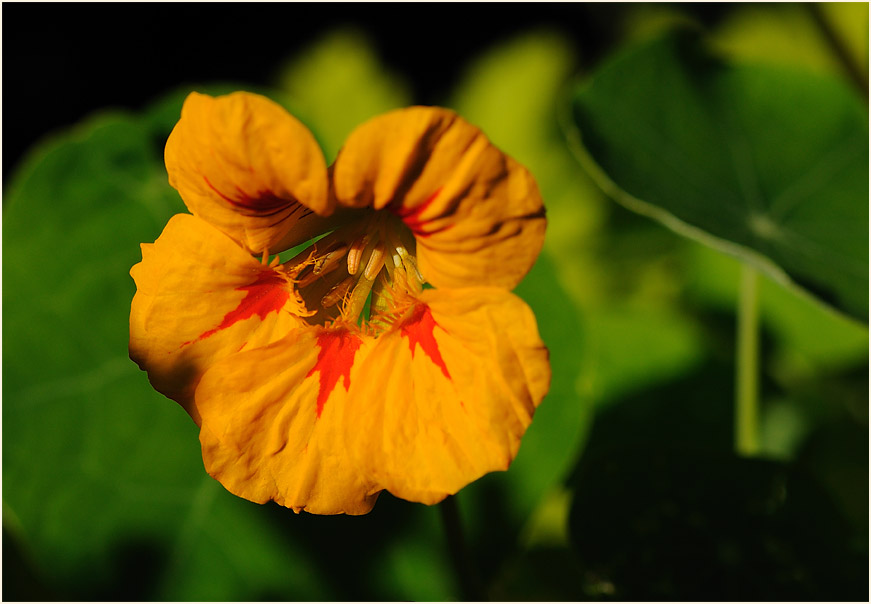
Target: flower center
{"type": "Point", "coordinates": [371, 259]}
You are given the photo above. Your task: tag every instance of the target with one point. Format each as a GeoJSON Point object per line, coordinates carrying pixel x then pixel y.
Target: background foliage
{"type": "Point", "coordinates": [626, 485]}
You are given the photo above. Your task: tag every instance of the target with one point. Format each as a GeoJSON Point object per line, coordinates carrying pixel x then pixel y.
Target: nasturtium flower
{"type": "Point", "coordinates": [388, 354]}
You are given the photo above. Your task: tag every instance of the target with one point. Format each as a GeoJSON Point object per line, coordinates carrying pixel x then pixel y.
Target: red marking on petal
{"type": "Point", "coordinates": [411, 217]}
{"type": "Point", "coordinates": [267, 294]}
{"type": "Point", "coordinates": [419, 331]}
{"type": "Point", "coordinates": [335, 357]}
{"type": "Point", "coordinates": [263, 202]}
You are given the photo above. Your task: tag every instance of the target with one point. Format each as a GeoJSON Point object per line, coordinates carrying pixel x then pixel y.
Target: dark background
{"type": "Point", "coordinates": [62, 61]}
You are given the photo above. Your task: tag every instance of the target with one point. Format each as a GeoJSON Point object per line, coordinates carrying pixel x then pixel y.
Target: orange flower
{"type": "Point", "coordinates": [322, 380]}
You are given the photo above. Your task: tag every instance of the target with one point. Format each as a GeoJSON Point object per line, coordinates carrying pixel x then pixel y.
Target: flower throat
{"type": "Point", "coordinates": [372, 258]}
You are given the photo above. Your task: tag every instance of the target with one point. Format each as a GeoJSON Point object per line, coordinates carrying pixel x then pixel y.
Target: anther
{"type": "Point", "coordinates": [338, 292]}
{"type": "Point", "coordinates": [355, 254]}
{"type": "Point", "coordinates": [329, 261]}
{"type": "Point", "coordinates": [376, 261]}
{"type": "Point", "coordinates": [409, 262]}
{"type": "Point", "coordinates": [354, 303]}
{"type": "Point", "coordinates": [307, 277]}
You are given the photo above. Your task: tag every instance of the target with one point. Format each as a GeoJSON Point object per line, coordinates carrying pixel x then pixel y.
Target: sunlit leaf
{"type": "Point", "coordinates": [770, 164]}
{"type": "Point", "coordinates": [778, 33]}
{"type": "Point", "coordinates": [338, 83]}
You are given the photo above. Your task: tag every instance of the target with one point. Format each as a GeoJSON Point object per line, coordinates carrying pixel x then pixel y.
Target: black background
{"type": "Point", "coordinates": [61, 61]}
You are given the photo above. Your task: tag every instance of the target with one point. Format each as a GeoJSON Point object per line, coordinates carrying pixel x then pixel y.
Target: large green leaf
{"type": "Point", "coordinates": [104, 489]}
{"type": "Point", "coordinates": [767, 163]}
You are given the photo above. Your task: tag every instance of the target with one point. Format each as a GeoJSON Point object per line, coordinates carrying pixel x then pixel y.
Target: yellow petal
{"type": "Point", "coordinates": [248, 167]}
{"type": "Point", "coordinates": [199, 298]}
{"type": "Point", "coordinates": [272, 423]}
{"type": "Point", "coordinates": [477, 214]}
{"type": "Point", "coordinates": [445, 396]}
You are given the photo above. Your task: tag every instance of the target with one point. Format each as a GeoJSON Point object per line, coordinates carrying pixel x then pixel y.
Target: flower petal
{"type": "Point", "coordinates": [248, 167]}
{"type": "Point", "coordinates": [199, 298]}
{"type": "Point", "coordinates": [446, 395]}
{"type": "Point", "coordinates": [272, 423]}
{"type": "Point", "coordinates": [476, 214]}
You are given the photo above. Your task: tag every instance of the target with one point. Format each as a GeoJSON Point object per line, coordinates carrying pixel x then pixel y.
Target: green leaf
{"type": "Point", "coordinates": [104, 489]}
{"type": "Point", "coordinates": [810, 338]}
{"type": "Point", "coordinates": [766, 163]}
{"type": "Point", "coordinates": [337, 84]}
{"type": "Point", "coordinates": [600, 298]}
{"type": "Point", "coordinates": [663, 510]}
{"type": "Point", "coordinates": [784, 33]}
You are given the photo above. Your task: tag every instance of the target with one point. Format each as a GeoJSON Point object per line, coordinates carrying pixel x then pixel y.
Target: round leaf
{"type": "Point", "coordinates": [767, 163]}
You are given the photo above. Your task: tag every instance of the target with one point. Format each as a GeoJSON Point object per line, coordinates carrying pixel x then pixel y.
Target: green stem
{"type": "Point", "coordinates": [468, 579]}
{"type": "Point", "coordinates": [747, 365]}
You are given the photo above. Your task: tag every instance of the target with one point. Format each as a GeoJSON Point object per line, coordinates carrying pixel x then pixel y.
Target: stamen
{"type": "Point", "coordinates": [307, 277]}
{"type": "Point", "coordinates": [337, 293]}
{"type": "Point", "coordinates": [356, 253]}
{"type": "Point", "coordinates": [410, 267]}
{"type": "Point", "coordinates": [357, 299]}
{"type": "Point", "coordinates": [329, 261]}
{"type": "Point", "coordinates": [376, 261]}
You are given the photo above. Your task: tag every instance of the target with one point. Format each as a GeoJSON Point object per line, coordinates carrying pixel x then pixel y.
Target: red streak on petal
{"type": "Point", "coordinates": [263, 202]}
{"type": "Point", "coordinates": [419, 331]}
{"type": "Point", "coordinates": [267, 294]}
{"type": "Point", "coordinates": [335, 357]}
{"type": "Point", "coordinates": [411, 217]}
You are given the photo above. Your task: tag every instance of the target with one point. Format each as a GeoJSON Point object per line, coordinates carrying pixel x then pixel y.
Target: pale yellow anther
{"type": "Point", "coordinates": [376, 261]}
{"type": "Point", "coordinates": [355, 254]}
{"type": "Point", "coordinates": [337, 293]}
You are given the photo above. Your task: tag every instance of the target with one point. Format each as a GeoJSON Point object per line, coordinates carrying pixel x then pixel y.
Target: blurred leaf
{"type": "Point", "coordinates": [810, 338]}
{"type": "Point", "coordinates": [620, 276]}
{"type": "Point", "coordinates": [104, 487]}
{"type": "Point", "coordinates": [532, 70]}
{"type": "Point", "coordinates": [826, 37]}
{"type": "Point", "coordinates": [849, 21]}
{"type": "Point", "coordinates": [496, 507]}
{"type": "Point", "coordinates": [663, 510]}
{"type": "Point", "coordinates": [542, 574]}
{"type": "Point", "coordinates": [337, 84]}
{"type": "Point", "coordinates": [776, 33]}
{"type": "Point", "coordinates": [711, 151]}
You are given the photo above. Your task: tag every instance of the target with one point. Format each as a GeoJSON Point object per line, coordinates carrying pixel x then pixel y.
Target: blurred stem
{"type": "Point", "coordinates": [747, 365]}
{"type": "Point", "coordinates": [470, 584]}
